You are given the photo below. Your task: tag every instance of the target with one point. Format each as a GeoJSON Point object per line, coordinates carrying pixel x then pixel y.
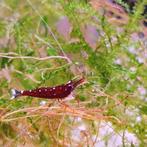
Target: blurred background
{"type": "Point", "coordinates": [48, 43]}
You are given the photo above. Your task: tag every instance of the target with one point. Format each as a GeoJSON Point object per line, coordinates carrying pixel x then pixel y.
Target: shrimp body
{"type": "Point", "coordinates": [57, 92]}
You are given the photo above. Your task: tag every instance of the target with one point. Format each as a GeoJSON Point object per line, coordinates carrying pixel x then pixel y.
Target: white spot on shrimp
{"type": "Point", "coordinates": [21, 91]}
{"type": "Point", "coordinates": [54, 88]}
{"type": "Point", "coordinates": [39, 90]}
{"type": "Point", "coordinates": [54, 94]}
{"type": "Point", "coordinates": [69, 82]}
{"type": "Point", "coordinates": [70, 86]}
{"type": "Point", "coordinates": [45, 89]}
{"type": "Point", "coordinates": [30, 90]}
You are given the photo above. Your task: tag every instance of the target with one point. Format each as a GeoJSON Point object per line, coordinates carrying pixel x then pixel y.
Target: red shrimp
{"type": "Point", "coordinates": [57, 92]}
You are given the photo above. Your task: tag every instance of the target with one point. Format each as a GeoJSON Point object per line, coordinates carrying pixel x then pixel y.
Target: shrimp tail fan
{"type": "Point", "coordinates": [78, 82]}
{"type": "Point", "coordinates": [15, 93]}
